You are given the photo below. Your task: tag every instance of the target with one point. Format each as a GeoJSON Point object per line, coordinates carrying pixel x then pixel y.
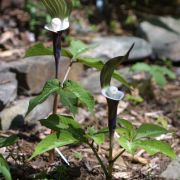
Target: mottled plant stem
{"type": "Point", "coordinates": [57, 55]}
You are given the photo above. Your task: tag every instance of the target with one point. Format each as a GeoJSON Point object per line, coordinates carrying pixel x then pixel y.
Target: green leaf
{"type": "Point", "coordinates": [66, 52]}
{"type": "Point", "coordinates": [4, 168]}
{"type": "Point", "coordinates": [123, 132]}
{"type": "Point", "coordinates": [134, 99]}
{"type": "Point", "coordinates": [83, 95]}
{"type": "Point", "coordinates": [78, 156]}
{"type": "Point", "coordinates": [159, 77]}
{"type": "Point", "coordinates": [97, 136]}
{"type": "Point", "coordinates": [127, 145]}
{"type": "Point", "coordinates": [120, 78]}
{"type": "Point", "coordinates": [149, 130]}
{"type": "Point", "coordinates": [155, 146]}
{"type": "Point", "coordinates": [169, 73]}
{"type": "Point", "coordinates": [7, 141]}
{"type": "Point", "coordinates": [91, 62]}
{"type": "Point", "coordinates": [139, 67]}
{"type": "Point", "coordinates": [66, 123]}
{"type": "Point", "coordinates": [68, 99]}
{"type": "Point", "coordinates": [54, 140]}
{"type": "Point", "coordinates": [59, 122]}
{"type": "Point", "coordinates": [50, 87]}
{"type": "Point", "coordinates": [157, 72]}
{"type": "Point", "coordinates": [38, 50]}
{"type": "Point", "coordinates": [164, 71]}
{"type": "Point", "coordinates": [109, 67]}
{"type": "Point", "coordinates": [78, 47]}
{"type": "Point", "coordinates": [98, 64]}
{"type": "Point", "coordinates": [127, 125]}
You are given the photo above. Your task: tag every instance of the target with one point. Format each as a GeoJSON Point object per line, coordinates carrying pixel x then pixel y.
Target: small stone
{"type": "Point", "coordinates": [172, 172]}
{"type": "Point", "coordinates": [33, 72]}
{"type": "Point", "coordinates": [13, 116]}
{"type": "Point", "coordinates": [109, 47]}
{"type": "Point", "coordinates": [8, 88]}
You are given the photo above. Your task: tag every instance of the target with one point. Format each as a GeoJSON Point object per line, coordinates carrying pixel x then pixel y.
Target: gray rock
{"type": "Point", "coordinates": [8, 88]}
{"type": "Point", "coordinates": [164, 36]}
{"type": "Point", "coordinates": [172, 172]}
{"type": "Point", "coordinates": [109, 47]}
{"type": "Point", "coordinates": [172, 23]}
{"type": "Point", "coordinates": [91, 82]}
{"type": "Point", "coordinates": [177, 71]}
{"type": "Point", "coordinates": [3, 67]}
{"type": "Point", "coordinates": [32, 73]}
{"type": "Point", "coordinates": [140, 80]}
{"type": "Point", "coordinates": [13, 116]}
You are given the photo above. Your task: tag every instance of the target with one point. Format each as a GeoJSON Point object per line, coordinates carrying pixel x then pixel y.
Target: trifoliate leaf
{"type": "Point", "coordinates": [149, 130]}
{"type": "Point", "coordinates": [83, 95]}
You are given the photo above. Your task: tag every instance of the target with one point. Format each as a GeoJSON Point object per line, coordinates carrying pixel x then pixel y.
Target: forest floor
{"type": "Point", "coordinates": [163, 110]}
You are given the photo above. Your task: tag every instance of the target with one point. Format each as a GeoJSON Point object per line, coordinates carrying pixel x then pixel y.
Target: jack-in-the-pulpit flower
{"type": "Point", "coordinates": [113, 96]}
{"type": "Point", "coordinates": [60, 11]}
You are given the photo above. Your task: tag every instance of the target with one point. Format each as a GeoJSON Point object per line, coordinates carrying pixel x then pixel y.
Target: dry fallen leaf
{"type": "Point", "coordinates": [120, 175]}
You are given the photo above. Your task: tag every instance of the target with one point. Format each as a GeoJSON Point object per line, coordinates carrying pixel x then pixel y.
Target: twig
{"type": "Point", "coordinates": [67, 72]}
{"type": "Point", "coordinates": [62, 156]}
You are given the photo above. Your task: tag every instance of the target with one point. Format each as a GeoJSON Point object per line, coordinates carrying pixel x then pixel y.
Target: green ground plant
{"type": "Point", "coordinates": [4, 167]}
{"type": "Point", "coordinates": [158, 73]}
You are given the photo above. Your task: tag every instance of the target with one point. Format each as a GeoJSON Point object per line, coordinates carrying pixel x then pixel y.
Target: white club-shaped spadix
{"type": "Point", "coordinates": [113, 93]}
{"type": "Point", "coordinates": [57, 24]}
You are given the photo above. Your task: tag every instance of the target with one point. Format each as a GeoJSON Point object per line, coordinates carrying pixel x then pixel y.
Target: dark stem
{"type": "Point", "coordinates": [110, 159]}
{"type": "Point", "coordinates": [57, 55]}
{"type": "Point", "coordinates": [118, 155]}
{"type": "Point", "coordinates": [99, 159]}
{"type": "Point", "coordinates": [112, 116]}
